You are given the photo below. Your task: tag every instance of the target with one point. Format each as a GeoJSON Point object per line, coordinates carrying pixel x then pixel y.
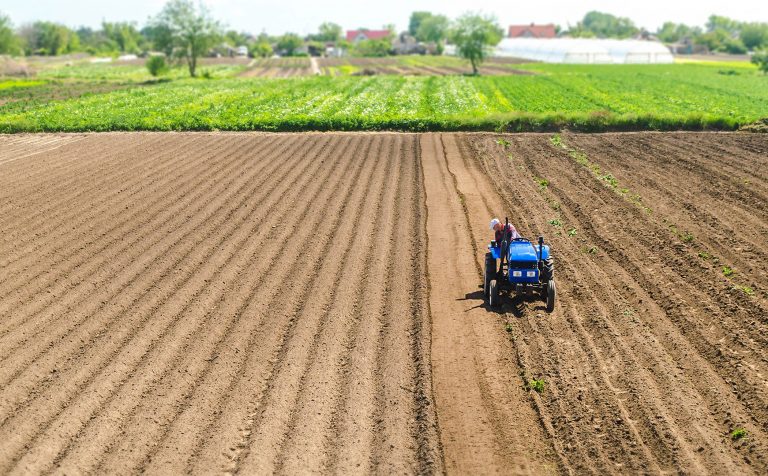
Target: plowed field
{"type": "Point", "coordinates": [259, 303]}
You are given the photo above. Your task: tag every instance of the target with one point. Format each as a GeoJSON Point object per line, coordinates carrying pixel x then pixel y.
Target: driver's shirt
{"type": "Point", "coordinates": [511, 232]}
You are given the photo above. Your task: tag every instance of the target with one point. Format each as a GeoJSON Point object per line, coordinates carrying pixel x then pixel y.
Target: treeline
{"type": "Point", "coordinates": [720, 34]}
{"type": "Point", "coordinates": [116, 38]}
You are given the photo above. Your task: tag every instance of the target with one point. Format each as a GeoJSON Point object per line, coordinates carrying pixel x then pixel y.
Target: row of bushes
{"type": "Point", "coordinates": [513, 122]}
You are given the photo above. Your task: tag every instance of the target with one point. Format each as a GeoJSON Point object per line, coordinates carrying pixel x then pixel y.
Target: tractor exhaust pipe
{"type": "Point", "coordinates": [541, 248]}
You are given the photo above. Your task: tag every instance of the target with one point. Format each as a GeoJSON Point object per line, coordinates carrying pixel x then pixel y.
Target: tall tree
{"type": "Point", "coordinates": [192, 30]}
{"type": "Point", "coordinates": [475, 35]}
{"type": "Point", "coordinates": [415, 21]}
{"type": "Point", "coordinates": [236, 38]}
{"type": "Point", "coordinates": [124, 35]}
{"type": "Point", "coordinates": [160, 37]}
{"type": "Point", "coordinates": [717, 22]}
{"type": "Point", "coordinates": [49, 38]}
{"type": "Point", "coordinates": [754, 35]}
{"type": "Point", "coordinates": [9, 43]}
{"type": "Point", "coordinates": [289, 43]}
{"type": "Point", "coordinates": [434, 29]}
{"type": "Point", "coordinates": [261, 49]}
{"type": "Point", "coordinates": [329, 31]}
{"type": "Point", "coordinates": [604, 25]}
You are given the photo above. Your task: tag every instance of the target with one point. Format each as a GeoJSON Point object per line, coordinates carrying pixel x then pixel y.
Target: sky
{"type": "Point", "coordinates": [303, 16]}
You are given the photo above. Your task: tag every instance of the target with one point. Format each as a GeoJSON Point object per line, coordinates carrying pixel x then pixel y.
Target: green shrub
{"type": "Point", "coordinates": [157, 66]}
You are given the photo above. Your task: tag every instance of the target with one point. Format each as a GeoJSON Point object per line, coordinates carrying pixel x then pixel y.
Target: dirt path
{"type": "Point", "coordinates": [486, 419]}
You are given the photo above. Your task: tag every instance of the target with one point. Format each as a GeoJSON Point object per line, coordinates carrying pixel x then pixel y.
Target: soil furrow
{"type": "Point", "coordinates": [312, 303]}
{"type": "Point", "coordinates": [322, 379]}
{"type": "Point", "coordinates": [196, 365]}
{"type": "Point", "coordinates": [89, 171]}
{"type": "Point", "coordinates": [162, 219]}
{"type": "Point", "coordinates": [151, 307]}
{"type": "Point", "coordinates": [127, 279]}
{"type": "Point", "coordinates": [242, 396]}
{"type": "Point", "coordinates": [352, 422]}
{"type": "Point", "coordinates": [268, 424]}
{"type": "Point", "coordinates": [98, 214]}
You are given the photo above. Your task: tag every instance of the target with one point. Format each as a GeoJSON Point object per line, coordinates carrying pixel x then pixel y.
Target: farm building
{"type": "Point", "coordinates": [353, 36]}
{"type": "Point", "coordinates": [532, 31]}
{"type": "Point", "coordinates": [587, 51]}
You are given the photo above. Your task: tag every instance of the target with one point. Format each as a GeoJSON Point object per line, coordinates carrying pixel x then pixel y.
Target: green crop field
{"type": "Point", "coordinates": [584, 97]}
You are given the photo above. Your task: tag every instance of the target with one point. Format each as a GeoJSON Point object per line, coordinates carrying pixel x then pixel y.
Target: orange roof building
{"type": "Point", "coordinates": [532, 31]}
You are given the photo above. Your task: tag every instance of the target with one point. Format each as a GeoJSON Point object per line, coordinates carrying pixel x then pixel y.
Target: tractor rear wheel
{"type": "Point", "coordinates": [490, 272]}
{"type": "Point", "coordinates": [493, 293]}
{"type": "Point", "coordinates": [551, 292]}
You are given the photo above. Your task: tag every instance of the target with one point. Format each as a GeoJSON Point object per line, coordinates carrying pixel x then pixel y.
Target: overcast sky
{"type": "Point", "coordinates": [303, 16]}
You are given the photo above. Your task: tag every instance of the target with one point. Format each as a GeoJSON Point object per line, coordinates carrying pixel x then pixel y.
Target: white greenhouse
{"type": "Point", "coordinates": [585, 51]}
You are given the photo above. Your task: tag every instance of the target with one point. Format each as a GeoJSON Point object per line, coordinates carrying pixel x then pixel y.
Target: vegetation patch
{"type": "Point", "coordinates": [560, 97]}
{"type": "Point", "coordinates": [761, 125]}
{"type": "Point", "coordinates": [738, 434]}
{"type": "Point", "coordinates": [537, 385]}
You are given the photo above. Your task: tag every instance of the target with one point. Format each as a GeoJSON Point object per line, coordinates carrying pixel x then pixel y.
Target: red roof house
{"type": "Point", "coordinates": [532, 31]}
{"type": "Point", "coordinates": [359, 35]}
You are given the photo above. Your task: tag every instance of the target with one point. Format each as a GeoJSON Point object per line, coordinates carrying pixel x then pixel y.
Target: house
{"type": "Point", "coordinates": [353, 36]}
{"type": "Point", "coordinates": [532, 31]}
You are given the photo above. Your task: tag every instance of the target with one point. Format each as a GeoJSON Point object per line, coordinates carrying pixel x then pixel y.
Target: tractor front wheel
{"type": "Point", "coordinates": [493, 293]}
{"type": "Point", "coordinates": [551, 292]}
{"type": "Point", "coordinates": [490, 272]}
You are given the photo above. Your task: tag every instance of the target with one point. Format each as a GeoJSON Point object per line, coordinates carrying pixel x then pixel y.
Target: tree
{"type": "Point", "coordinates": [378, 48]}
{"type": "Point", "coordinates": [734, 46]}
{"type": "Point", "coordinates": [329, 32]}
{"type": "Point", "coordinates": [415, 21]}
{"type": "Point", "coordinates": [603, 25]}
{"type": "Point", "coordinates": [474, 36]}
{"type": "Point", "coordinates": [9, 43]}
{"type": "Point", "coordinates": [192, 30]}
{"type": "Point", "coordinates": [48, 38]}
{"type": "Point", "coordinates": [713, 40]}
{"type": "Point", "coordinates": [261, 49]}
{"type": "Point", "coordinates": [160, 38]}
{"type": "Point", "coordinates": [124, 35]}
{"type": "Point", "coordinates": [235, 38]}
{"type": "Point", "coordinates": [716, 22]}
{"type": "Point", "coordinates": [754, 35]}
{"type": "Point", "coordinates": [673, 32]}
{"type": "Point", "coordinates": [289, 43]}
{"type": "Point", "coordinates": [760, 59]}
{"type": "Point", "coordinates": [434, 29]}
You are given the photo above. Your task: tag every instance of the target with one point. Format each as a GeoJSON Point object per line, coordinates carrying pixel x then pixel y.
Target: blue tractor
{"type": "Point", "coordinates": [519, 266]}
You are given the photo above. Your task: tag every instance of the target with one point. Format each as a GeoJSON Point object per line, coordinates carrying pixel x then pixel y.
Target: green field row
{"type": "Point", "coordinates": [688, 96]}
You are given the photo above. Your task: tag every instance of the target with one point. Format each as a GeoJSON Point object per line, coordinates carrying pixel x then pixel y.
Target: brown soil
{"type": "Point", "coordinates": [58, 91]}
{"type": "Point", "coordinates": [259, 303]}
{"type": "Point", "coordinates": [278, 68]}
{"type": "Point", "coordinates": [396, 66]}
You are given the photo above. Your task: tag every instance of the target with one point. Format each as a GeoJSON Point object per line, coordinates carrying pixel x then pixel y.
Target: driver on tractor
{"type": "Point", "coordinates": [498, 227]}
